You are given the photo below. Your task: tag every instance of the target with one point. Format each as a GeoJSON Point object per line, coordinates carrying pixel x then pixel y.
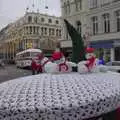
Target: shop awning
{"type": "Point", "coordinates": [102, 44]}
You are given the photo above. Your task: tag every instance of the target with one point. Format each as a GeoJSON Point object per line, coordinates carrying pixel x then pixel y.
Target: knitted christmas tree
{"type": "Point", "coordinates": [78, 51]}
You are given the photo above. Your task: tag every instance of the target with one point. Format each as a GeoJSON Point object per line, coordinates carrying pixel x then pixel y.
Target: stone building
{"type": "Point", "coordinates": [75, 12]}
{"type": "Point", "coordinates": [104, 20]}
{"type": "Point", "coordinates": [33, 30]}
{"type": "Point", "coordinates": [98, 21]}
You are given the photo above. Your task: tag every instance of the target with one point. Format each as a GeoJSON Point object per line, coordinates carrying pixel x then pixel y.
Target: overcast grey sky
{"type": "Point", "coordinates": [10, 10]}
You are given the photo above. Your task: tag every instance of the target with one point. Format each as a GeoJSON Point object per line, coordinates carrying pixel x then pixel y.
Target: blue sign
{"type": "Point", "coordinates": [102, 44]}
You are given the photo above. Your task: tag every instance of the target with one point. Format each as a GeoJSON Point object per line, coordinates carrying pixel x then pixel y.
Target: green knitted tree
{"type": "Point", "coordinates": [78, 51]}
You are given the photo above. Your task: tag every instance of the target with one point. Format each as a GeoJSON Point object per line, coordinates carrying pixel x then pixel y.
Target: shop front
{"type": "Point", "coordinates": [104, 49]}
{"type": "Point", "coordinates": [117, 49]}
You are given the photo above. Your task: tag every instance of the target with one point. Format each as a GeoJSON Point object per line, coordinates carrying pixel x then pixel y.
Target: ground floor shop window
{"type": "Point", "coordinates": [117, 53]}
{"type": "Point", "coordinates": [103, 53]}
{"type": "Point", "coordinates": [99, 52]}
{"type": "Point", "coordinates": [107, 55]}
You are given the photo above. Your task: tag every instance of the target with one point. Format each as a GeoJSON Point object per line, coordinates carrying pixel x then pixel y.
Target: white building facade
{"type": "Point", "coordinates": [104, 21]}
{"type": "Point", "coordinates": [100, 25]}
{"type": "Point", "coordinates": [33, 30]}
{"type": "Point", "coordinates": [75, 12]}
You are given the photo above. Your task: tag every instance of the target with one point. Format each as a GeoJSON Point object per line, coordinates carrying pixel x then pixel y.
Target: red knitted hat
{"type": "Point", "coordinates": [90, 50]}
{"type": "Point", "coordinates": [57, 55]}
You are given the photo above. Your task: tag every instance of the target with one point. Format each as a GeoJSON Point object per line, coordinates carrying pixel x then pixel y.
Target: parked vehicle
{"type": "Point", "coordinates": [113, 66]}
{"type": "Point", "coordinates": [23, 59]}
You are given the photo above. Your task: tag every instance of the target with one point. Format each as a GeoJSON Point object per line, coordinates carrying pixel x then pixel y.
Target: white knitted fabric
{"type": "Point", "coordinates": [71, 96]}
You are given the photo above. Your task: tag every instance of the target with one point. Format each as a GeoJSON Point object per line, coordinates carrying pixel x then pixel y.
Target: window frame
{"type": "Point", "coordinates": [29, 19]}
{"type": "Point", "coordinates": [95, 25]}
{"type": "Point", "coordinates": [118, 20]}
{"type": "Point", "coordinates": [106, 22]}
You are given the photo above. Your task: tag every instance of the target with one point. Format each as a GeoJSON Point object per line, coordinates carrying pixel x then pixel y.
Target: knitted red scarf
{"type": "Point", "coordinates": [90, 63]}
{"type": "Point", "coordinates": [63, 65]}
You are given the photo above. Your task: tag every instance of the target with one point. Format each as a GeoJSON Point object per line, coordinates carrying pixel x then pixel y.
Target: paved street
{"type": "Point", "coordinates": [11, 72]}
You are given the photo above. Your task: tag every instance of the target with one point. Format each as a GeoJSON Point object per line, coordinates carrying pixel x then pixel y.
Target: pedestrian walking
{"type": "Point", "coordinates": [33, 66]}
{"type": "Point", "coordinates": [36, 64]}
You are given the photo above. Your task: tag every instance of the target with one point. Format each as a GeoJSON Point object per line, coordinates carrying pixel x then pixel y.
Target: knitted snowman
{"type": "Point", "coordinates": [63, 65]}
{"type": "Point", "coordinates": [47, 65]}
{"type": "Point", "coordinates": [90, 65]}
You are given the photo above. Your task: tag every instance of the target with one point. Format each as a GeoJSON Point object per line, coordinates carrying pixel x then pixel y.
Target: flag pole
{"type": "Point", "coordinates": [33, 5]}
{"type": "Point", "coordinates": [46, 7]}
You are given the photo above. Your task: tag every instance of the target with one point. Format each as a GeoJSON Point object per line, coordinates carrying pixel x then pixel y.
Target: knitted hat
{"type": "Point", "coordinates": [90, 50]}
{"type": "Point", "coordinates": [57, 55]}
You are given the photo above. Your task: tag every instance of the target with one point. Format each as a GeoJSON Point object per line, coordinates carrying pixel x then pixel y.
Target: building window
{"type": "Point", "coordinates": [65, 8]}
{"type": "Point", "coordinates": [78, 5]}
{"type": "Point", "coordinates": [118, 20]}
{"type": "Point", "coordinates": [41, 30]}
{"type": "Point", "coordinates": [27, 32]}
{"type": "Point", "coordinates": [36, 20]}
{"type": "Point", "coordinates": [93, 3]}
{"type": "Point", "coordinates": [53, 31]}
{"type": "Point", "coordinates": [57, 32]}
{"type": "Point", "coordinates": [68, 7]}
{"type": "Point", "coordinates": [29, 19]}
{"type": "Point", "coordinates": [45, 31]}
{"type": "Point", "coordinates": [37, 30]}
{"type": "Point", "coordinates": [30, 29]}
{"type": "Point", "coordinates": [106, 20]}
{"type": "Point", "coordinates": [105, 2]}
{"type": "Point", "coordinates": [79, 29]}
{"type": "Point", "coordinates": [57, 22]}
{"type": "Point", "coordinates": [34, 30]}
{"type": "Point", "coordinates": [95, 25]}
{"type": "Point", "coordinates": [50, 31]}
{"type": "Point", "coordinates": [42, 19]}
{"type": "Point", "coordinates": [49, 21]}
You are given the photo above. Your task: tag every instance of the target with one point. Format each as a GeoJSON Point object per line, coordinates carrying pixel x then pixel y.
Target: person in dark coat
{"type": "Point", "coordinates": [36, 65]}
{"type": "Point", "coordinates": [33, 66]}
{"type": "Point", "coordinates": [39, 65]}
{"type": "Point", "coordinates": [101, 61]}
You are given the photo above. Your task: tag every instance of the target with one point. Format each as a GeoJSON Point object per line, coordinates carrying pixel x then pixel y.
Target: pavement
{"type": "Point", "coordinates": [12, 72]}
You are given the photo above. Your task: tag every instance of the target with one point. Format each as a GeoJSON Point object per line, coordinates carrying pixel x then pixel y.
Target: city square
{"type": "Point", "coordinates": [10, 72]}
{"type": "Point", "coordinates": [60, 60]}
